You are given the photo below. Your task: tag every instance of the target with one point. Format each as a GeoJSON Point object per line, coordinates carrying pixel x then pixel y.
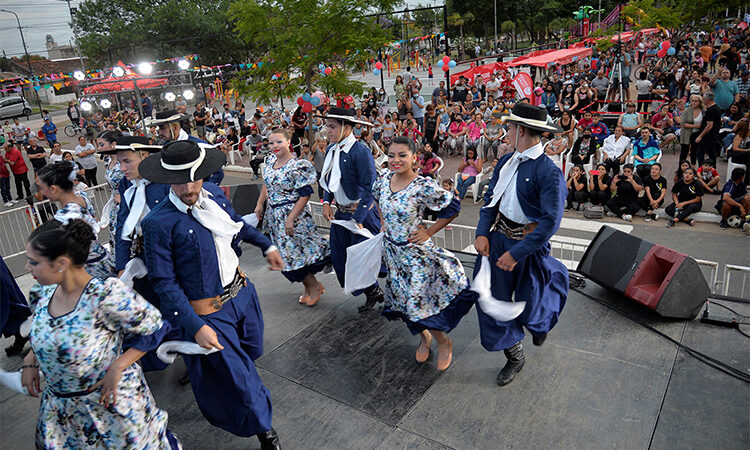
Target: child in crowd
{"type": "Point", "coordinates": [709, 178]}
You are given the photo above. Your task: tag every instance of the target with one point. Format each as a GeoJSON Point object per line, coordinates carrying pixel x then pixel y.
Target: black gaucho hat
{"type": "Point", "coordinates": [132, 143]}
{"type": "Point", "coordinates": [344, 115]}
{"type": "Point", "coordinates": [530, 116]}
{"type": "Point", "coordinates": [166, 116]}
{"type": "Point", "coordinates": [181, 162]}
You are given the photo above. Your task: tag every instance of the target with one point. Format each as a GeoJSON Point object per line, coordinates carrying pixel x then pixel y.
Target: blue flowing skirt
{"type": "Point", "coordinates": [446, 320]}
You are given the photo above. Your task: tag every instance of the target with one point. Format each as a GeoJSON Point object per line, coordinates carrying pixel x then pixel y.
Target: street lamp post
{"type": "Point", "coordinates": [494, 44]}
{"type": "Point", "coordinates": [75, 34]}
{"type": "Point", "coordinates": [28, 58]}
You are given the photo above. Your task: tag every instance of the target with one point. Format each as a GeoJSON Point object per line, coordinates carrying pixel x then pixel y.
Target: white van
{"type": "Point", "coordinates": [14, 107]}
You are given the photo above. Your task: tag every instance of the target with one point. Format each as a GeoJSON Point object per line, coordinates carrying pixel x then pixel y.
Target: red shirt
{"type": "Point", "coordinates": [3, 168]}
{"type": "Point", "coordinates": [14, 155]}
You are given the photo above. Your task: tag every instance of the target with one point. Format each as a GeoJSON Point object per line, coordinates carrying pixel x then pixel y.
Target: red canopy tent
{"type": "Point", "coordinates": [485, 71]}
{"type": "Point", "coordinates": [113, 84]}
{"type": "Point", "coordinates": [564, 56]}
{"type": "Point", "coordinates": [531, 55]}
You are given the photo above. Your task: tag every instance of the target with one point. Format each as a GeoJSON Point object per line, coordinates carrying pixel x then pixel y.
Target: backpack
{"type": "Point", "coordinates": [593, 212]}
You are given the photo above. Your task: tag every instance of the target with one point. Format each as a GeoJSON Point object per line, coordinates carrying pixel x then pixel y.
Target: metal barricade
{"type": "Point", "coordinates": [742, 272]}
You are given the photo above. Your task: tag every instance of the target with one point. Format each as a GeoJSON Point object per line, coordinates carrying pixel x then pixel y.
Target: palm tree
{"type": "Point", "coordinates": [456, 20]}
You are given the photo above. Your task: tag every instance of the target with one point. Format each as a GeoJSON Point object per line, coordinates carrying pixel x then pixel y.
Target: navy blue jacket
{"type": "Point", "coordinates": [181, 258]}
{"type": "Point", "coordinates": [155, 193]}
{"type": "Point", "coordinates": [357, 176]}
{"type": "Point", "coordinates": [541, 192]}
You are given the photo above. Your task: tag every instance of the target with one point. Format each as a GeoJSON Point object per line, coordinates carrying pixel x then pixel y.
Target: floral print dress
{"type": "Point", "coordinates": [101, 263]}
{"type": "Point", "coordinates": [306, 251]}
{"type": "Point", "coordinates": [423, 280]}
{"type": "Point", "coordinates": [74, 352]}
{"type": "Point", "coordinates": [113, 175]}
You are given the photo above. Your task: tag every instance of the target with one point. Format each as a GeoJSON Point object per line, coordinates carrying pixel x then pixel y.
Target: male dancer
{"type": "Point", "coordinates": [523, 209]}
{"type": "Point", "coordinates": [347, 177]}
{"type": "Point", "coordinates": [195, 271]}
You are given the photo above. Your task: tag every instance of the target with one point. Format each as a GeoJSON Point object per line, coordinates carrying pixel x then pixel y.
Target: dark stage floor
{"type": "Point", "coordinates": [339, 379]}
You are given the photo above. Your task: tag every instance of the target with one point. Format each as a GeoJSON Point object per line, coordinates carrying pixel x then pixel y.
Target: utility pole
{"type": "Point", "coordinates": [75, 34]}
{"type": "Point", "coordinates": [28, 58]}
{"type": "Point", "coordinates": [494, 44]}
{"type": "Point", "coordinates": [447, 48]}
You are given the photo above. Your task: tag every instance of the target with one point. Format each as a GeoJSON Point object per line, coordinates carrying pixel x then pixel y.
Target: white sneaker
{"type": "Point", "coordinates": [13, 202]}
{"type": "Point", "coordinates": [627, 218]}
{"type": "Point", "coordinates": [656, 217]}
{"type": "Point", "coordinates": [8, 203]}
{"type": "Point", "coordinates": [646, 219]}
{"type": "Point", "coordinates": [746, 227]}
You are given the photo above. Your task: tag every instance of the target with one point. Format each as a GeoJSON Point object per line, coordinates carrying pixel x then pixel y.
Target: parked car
{"type": "Point", "coordinates": [14, 107]}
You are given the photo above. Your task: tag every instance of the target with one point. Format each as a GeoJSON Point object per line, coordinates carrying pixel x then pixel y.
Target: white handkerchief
{"type": "Point", "coordinates": [135, 268]}
{"type": "Point", "coordinates": [12, 380]}
{"type": "Point", "coordinates": [168, 351]}
{"type": "Point", "coordinates": [251, 219]}
{"type": "Point", "coordinates": [352, 226]}
{"type": "Point", "coordinates": [497, 309]}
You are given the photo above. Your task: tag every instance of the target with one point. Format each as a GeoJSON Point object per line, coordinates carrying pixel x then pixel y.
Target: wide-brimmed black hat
{"type": "Point", "coordinates": [166, 116]}
{"type": "Point", "coordinates": [132, 143]}
{"type": "Point", "coordinates": [530, 116]}
{"type": "Point", "coordinates": [181, 162]}
{"type": "Point", "coordinates": [344, 115]}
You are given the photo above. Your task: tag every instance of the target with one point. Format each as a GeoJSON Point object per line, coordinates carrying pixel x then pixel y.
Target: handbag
{"type": "Point", "coordinates": [593, 212]}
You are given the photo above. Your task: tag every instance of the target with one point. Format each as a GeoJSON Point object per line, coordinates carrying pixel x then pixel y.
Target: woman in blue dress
{"type": "Point", "coordinates": [95, 395]}
{"type": "Point", "coordinates": [287, 185]}
{"type": "Point", "coordinates": [426, 286]}
{"type": "Point", "coordinates": [106, 142]}
{"type": "Point", "coordinates": [56, 183]}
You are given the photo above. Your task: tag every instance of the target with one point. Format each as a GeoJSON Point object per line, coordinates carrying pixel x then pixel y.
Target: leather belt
{"type": "Point", "coordinates": [350, 208]}
{"type": "Point", "coordinates": [512, 230]}
{"type": "Point", "coordinates": [211, 305]}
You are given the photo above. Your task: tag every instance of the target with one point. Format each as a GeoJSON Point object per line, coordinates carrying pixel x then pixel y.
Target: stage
{"type": "Point", "coordinates": [339, 379]}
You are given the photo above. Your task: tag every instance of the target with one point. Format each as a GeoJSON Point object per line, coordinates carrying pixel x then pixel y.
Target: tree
{"type": "Point", "coordinates": [509, 28]}
{"type": "Point", "coordinates": [143, 30]}
{"type": "Point", "coordinates": [457, 20]}
{"type": "Point", "coordinates": [297, 37]}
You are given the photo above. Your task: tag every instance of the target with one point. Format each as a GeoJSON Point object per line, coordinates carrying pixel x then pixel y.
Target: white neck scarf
{"type": "Point", "coordinates": [138, 209]}
{"type": "Point", "coordinates": [183, 136]}
{"type": "Point", "coordinates": [331, 165]}
{"type": "Point", "coordinates": [209, 214]}
{"type": "Point", "coordinates": [508, 170]}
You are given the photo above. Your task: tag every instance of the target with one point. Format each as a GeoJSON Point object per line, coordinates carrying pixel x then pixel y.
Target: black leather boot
{"type": "Point", "coordinates": [538, 339]}
{"type": "Point", "coordinates": [17, 347]}
{"type": "Point", "coordinates": [374, 295]}
{"type": "Point", "coordinates": [269, 440]}
{"type": "Point", "coordinates": [513, 366]}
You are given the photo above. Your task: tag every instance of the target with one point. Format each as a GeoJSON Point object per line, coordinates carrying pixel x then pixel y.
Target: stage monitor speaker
{"type": "Point", "coordinates": [666, 281]}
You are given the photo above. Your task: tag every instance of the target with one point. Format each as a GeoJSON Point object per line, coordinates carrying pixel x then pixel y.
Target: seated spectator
{"type": "Point", "coordinates": [549, 101]}
{"type": "Point", "coordinates": [598, 128]}
{"type": "Point", "coordinates": [709, 178]}
{"type": "Point", "coordinates": [486, 178]}
{"type": "Point", "coordinates": [599, 186]}
{"type": "Point", "coordinates": [558, 143]}
{"type": "Point", "coordinates": [577, 187]}
{"type": "Point", "coordinates": [735, 199]}
{"type": "Point", "coordinates": [456, 140]}
{"type": "Point", "coordinates": [468, 170]}
{"type": "Point", "coordinates": [655, 186]}
{"type": "Point", "coordinates": [585, 121]}
{"type": "Point", "coordinates": [630, 121]}
{"type": "Point", "coordinates": [447, 184]}
{"type": "Point", "coordinates": [687, 195]}
{"type": "Point", "coordinates": [645, 153]}
{"type": "Point", "coordinates": [615, 150]}
{"type": "Point", "coordinates": [476, 127]}
{"type": "Point", "coordinates": [491, 138]}
{"type": "Point", "coordinates": [626, 188]}
{"type": "Point", "coordinates": [429, 163]}
{"type": "Point", "coordinates": [663, 125]}
{"type": "Point", "coordinates": [584, 148]}
{"type": "Point", "coordinates": [684, 164]}
{"type": "Point", "coordinates": [740, 150]}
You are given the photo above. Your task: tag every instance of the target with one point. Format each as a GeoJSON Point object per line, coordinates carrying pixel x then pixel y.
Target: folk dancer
{"type": "Point", "coordinates": [523, 209]}
{"type": "Point", "coordinates": [194, 268]}
{"type": "Point", "coordinates": [347, 178]}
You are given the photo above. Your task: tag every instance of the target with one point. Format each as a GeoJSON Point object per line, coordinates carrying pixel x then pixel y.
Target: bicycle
{"type": "Point", "coordinates": [72, 129]}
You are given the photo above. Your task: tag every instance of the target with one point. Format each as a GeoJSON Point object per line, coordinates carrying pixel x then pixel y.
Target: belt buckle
{"type": "Point", "coordinates": [216, 303]}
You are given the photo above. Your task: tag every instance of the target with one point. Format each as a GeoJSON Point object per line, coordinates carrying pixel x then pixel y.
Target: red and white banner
{"type": "Point", "coordinates": [523, 84]}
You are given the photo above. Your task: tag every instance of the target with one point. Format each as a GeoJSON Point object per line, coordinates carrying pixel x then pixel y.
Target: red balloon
{"type": "Point", "coordinates": [661, 53]}
{"type": "Point", "coordinates": [665, 45]}
{"type": "Point", "coordinates": [446, 59]}
{"type": "Point", "coordinates": [328, 71]}
{"type": "Point", "coordinates": [307, 107]}
{"type": "Point", "coordinates": [379, 65]}
{"type": "Point", "coordinates": [445, 68]}
{"type": "Point", "coordinates": [300, 101]}
{"type": "Point", "coordinates": [349, 99]}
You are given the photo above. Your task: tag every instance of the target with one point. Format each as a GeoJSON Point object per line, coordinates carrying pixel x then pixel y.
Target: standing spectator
{"type": "Point", "coordinates": [19, 169]}
{"type": "Point", "coordinates": [437, 92]}
{"type": "Point", "coordinates": [50, 131]}
{"type": "Point", "coordinates": [690, 122]}
{"type": "Point", "coordinates": [431, 123]}
{"type": "Point", "coordinates": [740, 150]}
{"type": "Point", "coordinates": [614, 151]}
{"type": "Point", "coordinates": [577, 187]}
{"type": "Point", "coordinates": [734, 199]}
{"type": "Point", "coordinates": [600, 84]}
{"type": "Point", "coordinates": [743, 88]}
{"type": "Point", "coordinates": [708, 134]}
{"type": "Point", "coordinates": [417, 104]}
{"type": "Point", "coordinates": [201, 116]}
{"type": "Point", "coordinates": [5, 183]}
{"type": "Point", "coordinates": [709, 178]}
{"type": "Point", "coordinates": [37, 155]}
{"type": "Point", "coordinates": [599, 186]}
{"type": "Point", "coordinates": [687, 195]}
{"type": "Point", "coordinates": [645, 153]}
{"type": "Point", "coordinates": [398, 86]}
{"type": "Point", "coordinates": [460, 91]}
{"type": "Point", "coordinates": [85, 154]}
{"type": "Point", "coordinates": [56, 154]}
{"type": "Point", "coordinates": [643, 88]}
{"type": "Point", "coordinates": [655, 186]}
{"type": "Point", "coordinates": [626, 188]}
{"type": "Point", "coordinates": [493, 86]}
{"type": "Point", "coordinates": [20, 133]}
{"type": "Point", "coordinates": [74, 112]}
{"type": "Point", "coordinates": [148, 109]}
{"type": "Point", "coordinates": [725, 89]}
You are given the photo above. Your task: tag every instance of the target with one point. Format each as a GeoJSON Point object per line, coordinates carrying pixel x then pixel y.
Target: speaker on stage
{"type": "Point", "coordinates": [666, 281]}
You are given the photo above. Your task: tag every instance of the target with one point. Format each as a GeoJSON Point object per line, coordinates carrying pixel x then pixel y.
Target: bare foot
{"type": "Point", "coordinates": [423, 350]}
{"type": "Point", "coordinates": [315, 295]}
{"type": "Point", "coordinates": [445, 355]}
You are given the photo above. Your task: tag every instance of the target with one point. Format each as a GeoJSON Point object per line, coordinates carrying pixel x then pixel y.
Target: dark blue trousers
{"type": "Point", "coordinates": [539, 279]}
{"type": "Point", "coordinates": [227, 388]}
{"type": "Point", "coordinates": [341, 239]}
{"type": "Point", "coordinates": [14, 309]}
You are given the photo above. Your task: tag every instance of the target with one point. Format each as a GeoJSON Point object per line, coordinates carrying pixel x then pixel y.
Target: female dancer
{"type": "Point", "coordinates": [426, 286]}
{"type": "Point", "coordinates": [95, 395]}
{"type": "Point", "coordinates": [56, 183]}
{"type": "Point", "coordinates": [287, 185]}
{"type": "Point", "coordinates": [105, 142]}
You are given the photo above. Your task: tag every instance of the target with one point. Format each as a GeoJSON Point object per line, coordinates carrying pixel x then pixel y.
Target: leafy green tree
{"type": "Point", "coordinates": [458, 20]}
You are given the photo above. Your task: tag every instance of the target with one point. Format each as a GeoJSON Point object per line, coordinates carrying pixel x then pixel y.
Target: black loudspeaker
{"type": "Point", "coordinates": [666, 281]}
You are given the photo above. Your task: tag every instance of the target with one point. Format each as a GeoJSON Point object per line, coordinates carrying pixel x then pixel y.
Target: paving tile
{"type": "Point", "coordinates": [400, 439]}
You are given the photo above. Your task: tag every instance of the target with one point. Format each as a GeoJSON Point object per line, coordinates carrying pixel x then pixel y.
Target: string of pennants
{"type": "Point", "coordinates": [419, 38]}
{"type": "Point", "coordinates": [60, 79]}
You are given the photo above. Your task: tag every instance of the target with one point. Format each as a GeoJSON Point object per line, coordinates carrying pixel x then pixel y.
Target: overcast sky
{"type": "Point", "coordinates": [42, 17]}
